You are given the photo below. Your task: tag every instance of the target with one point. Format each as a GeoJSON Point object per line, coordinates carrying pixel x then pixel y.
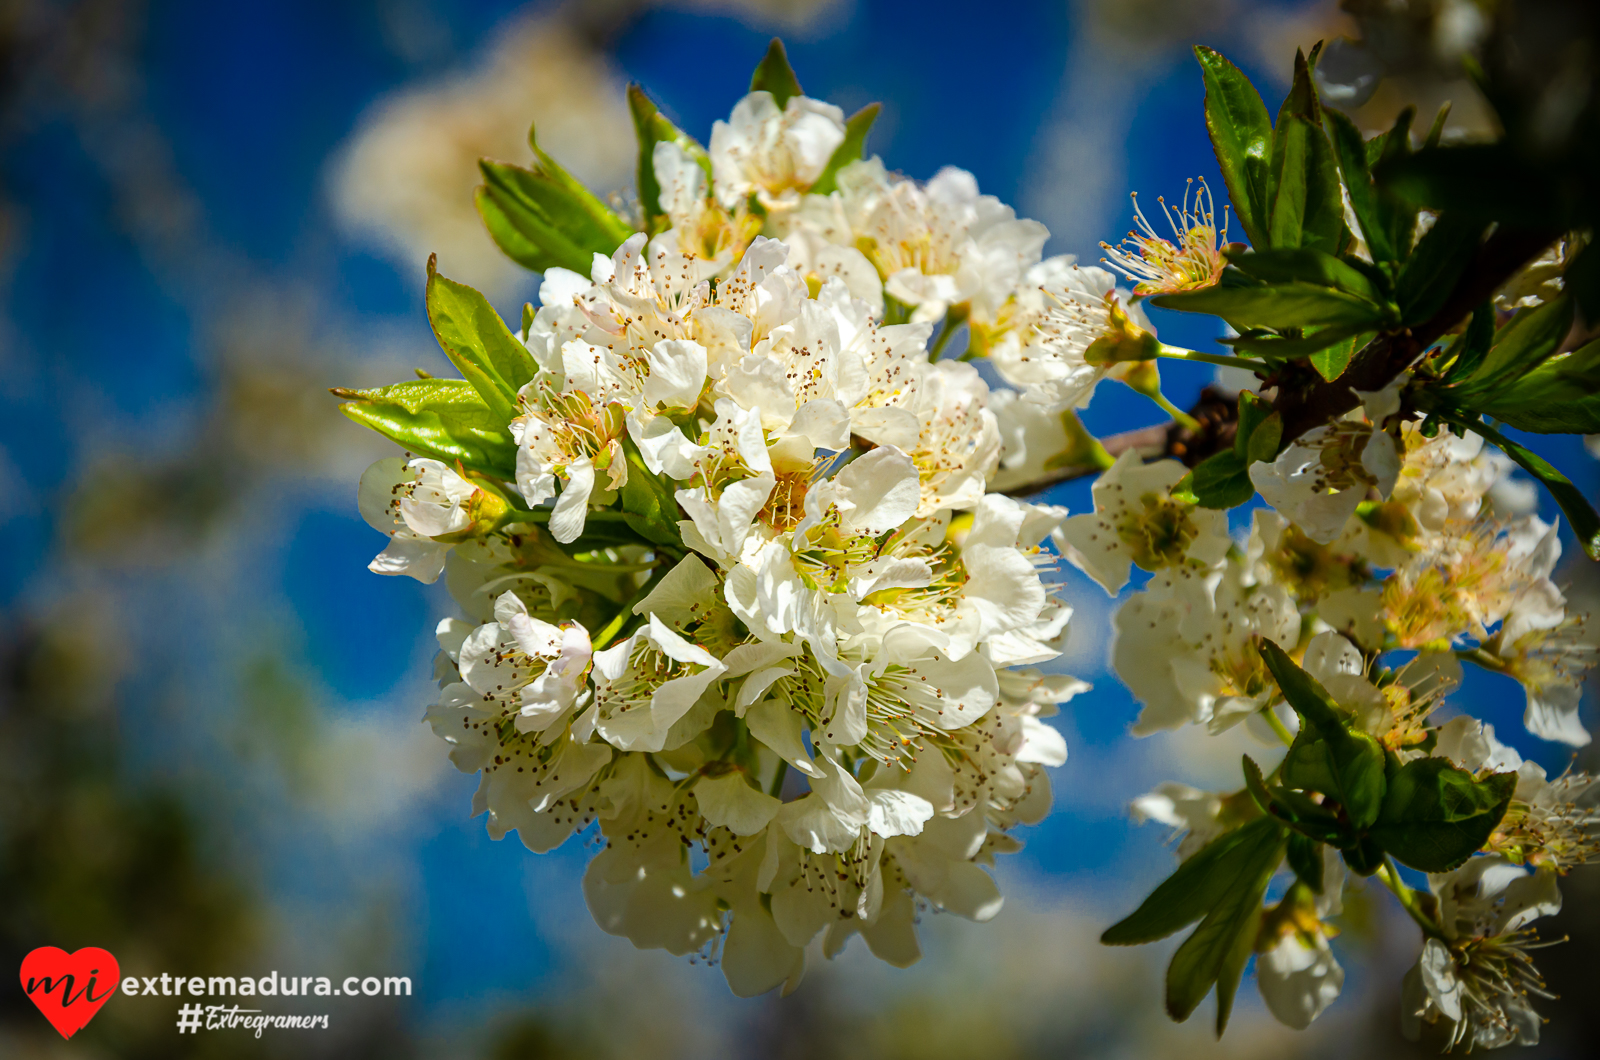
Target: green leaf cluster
{"type": "Point", "coordinates": [542, 216]}
{"type": "Point", "coordinates": [1426, 813]}
{"type": "Point", "coordinates": [1222, 886]}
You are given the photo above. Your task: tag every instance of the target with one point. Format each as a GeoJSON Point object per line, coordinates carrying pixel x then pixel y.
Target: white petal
{"type": "Point", "coordinates": [730, 802]}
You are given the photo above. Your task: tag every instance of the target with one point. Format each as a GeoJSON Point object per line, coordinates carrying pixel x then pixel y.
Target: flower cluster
{"type": "Point", "coordinates": [751, 601]}
{"type": "Point", "coordinates": [812, 705]}
{"type": "Point", "coordinates": [1379, 541]}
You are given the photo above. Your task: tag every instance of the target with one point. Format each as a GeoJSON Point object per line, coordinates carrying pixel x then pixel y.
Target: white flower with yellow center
{"type": "Point", "coordinates": [1478, 978]}
{"type": "Point", "coordinates": [414, 502]}
{"type": "Point", "coordinates": [773, 153]}
{"type": "Point", "coordinates": [937, 246]}
{"type": "Point", "coordinates": [1320, 479]}
{"type": "Point", "coordinates": [1137, 521]}
{"type": "Point", "coordinates": [1061, 311]}
{"type": "Point", "coordinates": [644, 684]}
{"type": "Point", "coordinates": [566, 438]}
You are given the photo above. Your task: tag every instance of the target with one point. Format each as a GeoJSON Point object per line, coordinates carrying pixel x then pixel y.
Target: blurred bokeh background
{"type": "Point", "coordinates": [211, 753]}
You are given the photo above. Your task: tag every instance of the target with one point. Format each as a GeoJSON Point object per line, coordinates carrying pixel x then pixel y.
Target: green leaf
{"type": "Point", "coordinates": [1354, 760]}
{"type": "Point", "coordinates": [1474, 345]}
{"type": "Point", "coordinates": [1430, 274]}
{"type": "Point", "coordinates": [1197, 886]}
{"type": "Point", "coordinates": [1436, 816]}
{"type": "Point", "coordinates": [1302, 102]}
{"type": "Point", "coordinates": [1313, 342]}
{"type": "Point", "coordinates": [444, 419]}
{"type": "Point", "coordinates": [1305, 858]}
{"type": "Point", "coordinates": [594, 222]}
{"type": "Point", "coordinates": [1306, 265]}
{"type": "Point", "coordinates": [1331, 361]}
{"type": "Point", "coordinates": [1290, 142]}
{"type": "Point", "coordinates": [1279, 306]}
{"type": "Point", "coordinates": [507, 230]}
{"type": "Point", "coordinates": [1365, 858]}
{"type": "Point", "coordinates": [1306, 207]}
{"type": "Point", "coordinates": [1531, 337]}
{"type": "Point", "coordinates": [650, 127]}
{"type": "Point", "coordinates": [1252, 411]}
{"type": "Point", "coordinates": [851, 150]}
{"type": "Point", "coordinates": [1561, 396]}
{"type": "Point", "coordinates": [1216, 953]}
{"type": "Point", "coordinates": [478, 343]}
{"type": "Point", "coordinates": [1241, 135]}
{"type": "Point", "coordinates": [1580, 514]}
{"type": "Point", "coordinates": [1265, 440]}
{"type": "Point", "coordinates": [775, 75]}
{"type": "Point", "coordinates": [1351, 155]}
{"type": "Point", "coordinates": [1397, 217]}
{"type": "Point", "coordinates": [550, 211]}
{"type": "Point", "coordinates": [648, 504]}
{"type": "Point", "coordinates": [1222, 480]}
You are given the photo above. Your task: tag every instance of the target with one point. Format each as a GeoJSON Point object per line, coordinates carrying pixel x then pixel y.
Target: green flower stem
{"type": "Point", "coordinates": [625, 612]}
{"type": "Point", "coordinates": [776, 791]}
{"type": "Point", "coordinates": [1178, 353]}
{"type": "Point", "coordinates": [1278, 726]}
{"type": "Point", "coordinates": [1485, 659]}
{"type": "Point", "coordinates": [1408, 898]}
{"type": "Point", "coordinates": [1180, 417]}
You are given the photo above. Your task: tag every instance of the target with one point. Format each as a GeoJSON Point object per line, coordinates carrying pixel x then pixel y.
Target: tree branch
{"type": "Point", "coordinates": [1306, 400]}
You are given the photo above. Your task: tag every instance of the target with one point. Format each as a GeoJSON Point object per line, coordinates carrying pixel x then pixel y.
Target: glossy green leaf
{"type": "Point", "coordinates": [583, 214]}
{"type": "Point", "coordinates": [1222, 480]}
{"type": "Point", "coordinates": [1331, 361]}
{"type": "Point", "coordinates": [1307, 210]}
{"type": "Point", "coordinates": [508, 236]}
{"type": "Point", "coordinates": [1561, 396]}
{"type": "Point", "coordinates": [1430, 274]}
{"type": "Point", "coordinates": [1306, 265]}
{"type": "Point", "coordinates": [1355, 760]}
{"type": "Point", "coordinates": [1532, 336]}
{"type": "Point", "coordinates": [1305, 858]}
{"type": "Point", "coordinates": [444, 419]}
{"type": "Point", "coordinates": [1198, 885]}
{"type": "Point", "coordinates": [1310, 344]}
{"type": "Point", "coordinates": [1397, 217]}
{"type": "Point", "coordinates": [1580, 513]}
{"type": "Point", "coordinates": [1351, 155]}
{"type": "Point", "coordinates": [1473, 346]}
{"type": "Point", "coordinates": [1252, 411]}
{"type": "Point", "coordinates": [1279, 306]}
{"type": "Point", "coordinates": [1241, 136]}
{"type": "Point", "coordinates": [1265, 440]}
{"type": "Point", "coordinates": [553, 214]}
{"type": "Point", "coordinates": [851, 150]}
{"type": "Point", "coordinates": [1436, 816]}
{"type": "Point", "coordinates": [1365, 858]}
{"type": "Point", "coordinates": [478, 343]}
{"type": "Point", "coordinates": [775, 75]}
{"type": "Point", "coordinates": [1216, 953]}
{"type": "Point", "coordinates": [648, 504]}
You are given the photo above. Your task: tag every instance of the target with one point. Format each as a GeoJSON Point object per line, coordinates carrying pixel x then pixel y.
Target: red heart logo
{"type": "Point", "coordinates": [69, 988]}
